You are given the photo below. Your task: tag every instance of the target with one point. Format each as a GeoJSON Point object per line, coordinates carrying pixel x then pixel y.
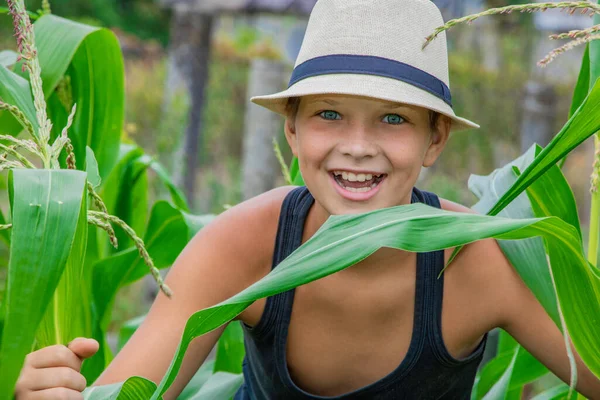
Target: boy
{"type": "Point", "coordinates": [365, 110]}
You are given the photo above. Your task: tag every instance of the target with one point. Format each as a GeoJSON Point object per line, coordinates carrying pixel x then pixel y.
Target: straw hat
{"type": "Point", "coordinates": [373, 48]}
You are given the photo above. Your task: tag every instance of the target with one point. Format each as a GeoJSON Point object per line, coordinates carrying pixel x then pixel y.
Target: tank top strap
{"type": "Point", "coordinates": [294, 210]}
{"type": "Point", "coordinates": [433, 264]}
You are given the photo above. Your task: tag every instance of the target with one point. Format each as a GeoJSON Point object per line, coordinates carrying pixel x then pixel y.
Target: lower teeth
{"type": "Point", "coordinates": [360, 190]}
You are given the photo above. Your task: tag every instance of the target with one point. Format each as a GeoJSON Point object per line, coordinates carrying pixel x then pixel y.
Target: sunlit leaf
{"type": "Point", "coordinates": [134, 388]}
{"type": "Point", "coordinates": [230, 349]}
{"type": "Point", "coordinates": [45, 209]}
{"type": "Point", "coordinates": [558, 392]}
{"type": "Point", "coordinates": [346, 239]}
{"type": "Point", "coordinates": [221, 385]}
{"type": "Point", "coordinates": [16, 91]}
{"type": "Point", "coordinates": [91, 167]}
{"type": "Point", "coordinates": [8, 57]}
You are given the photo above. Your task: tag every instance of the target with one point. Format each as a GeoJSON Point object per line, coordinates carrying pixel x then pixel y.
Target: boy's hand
{"type": "Point", "coordinates": [53, 372]}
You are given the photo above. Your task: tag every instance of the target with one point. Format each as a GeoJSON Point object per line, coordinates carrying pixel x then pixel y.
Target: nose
{"type": "Point", "coordinates": [357, 143]}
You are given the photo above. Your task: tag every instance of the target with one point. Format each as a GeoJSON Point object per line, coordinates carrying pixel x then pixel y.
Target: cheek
{"type": "Point", "coordinates": [314, 145]}
{"type": "Point", "coordinates": [405, 153]}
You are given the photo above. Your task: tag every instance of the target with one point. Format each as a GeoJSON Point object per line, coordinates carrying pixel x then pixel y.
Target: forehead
{"type": "Point", "coordinates": [351, 100]}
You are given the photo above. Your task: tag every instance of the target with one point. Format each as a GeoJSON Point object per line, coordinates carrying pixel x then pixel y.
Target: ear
{"type": "Point", "coordinates": [438, 140]}
{"type": "Point", "coordinates": [290, 135]}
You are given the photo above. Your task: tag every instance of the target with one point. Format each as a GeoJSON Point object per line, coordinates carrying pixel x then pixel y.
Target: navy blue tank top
{"type": "Point", "coordinates": [428, 370]}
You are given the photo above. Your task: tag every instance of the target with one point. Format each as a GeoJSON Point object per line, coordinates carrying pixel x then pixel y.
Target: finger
{"type": "Point", "coordinates": [53, 356]}
{"type": "Point", "coordinates": [47, 378]}
{"type": "Point", "coordinates": [83, 347]}
{"type": "Point", "coordinates": [54, 394]}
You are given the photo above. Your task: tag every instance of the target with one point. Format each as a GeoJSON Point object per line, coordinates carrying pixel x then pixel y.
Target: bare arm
{"type": "Point", "coordinates": [524, 318]}
{"type": "Point", "coordinates": [225, 257]}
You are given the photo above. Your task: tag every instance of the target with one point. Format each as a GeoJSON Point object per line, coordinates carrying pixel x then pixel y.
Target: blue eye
{"type": "Point", "coordinates": [394, 119]}
{"type": "Point", "coordinates": [330, 115]}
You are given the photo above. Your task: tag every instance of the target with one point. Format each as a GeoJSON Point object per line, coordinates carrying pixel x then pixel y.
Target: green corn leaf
{"type": "Point", "coordinates": [524, 369]}
{"type": "Point", "coordinates": [125, 191]}
{"type": "Point", "coordinates": [295, 173]}
{"type": "Point", "coordinates": [167, 235]}
{"type": "Point", "coordinates": [140, 388]}
{"type": "Point", "coordinates": [132, 204]}
{"type": "Point", "coordinates": [168, 231]}
{"type": "Point", "coordinates": [500, 389]}
{"type": "Point", "coordinates": [505, 342]}
{"type": "Point", "coordinates": [550, 195]}
{"type": "Point", "coordinates": [527, 256]}
{"type": "Point", "coordinates": [91, 167]}
{"type": "Point", "coordinates": [46, 207]}
{"type": "Point", "coordinates": [91, 58]}
{"type": "Point", "coordinates": [8, 58]}
{"type": "Point", "coordinates": [584, 123]}
{"type": "Point", "coordinates": [230, 349]}
{"type": "Point", "coordinates": [4, 234]}
{"type": "Point", "coordinates": [128, 329]}
{"type": "Point", "coordinates": [583, 83]}
{"type": "Point", "coordinates": [125, 194]}
{"type": "Point", "coordinates": [198, 380]}
{"type": "Point", "coordinates": [221, 385]}
{"type": "Point", "coordinates": [16, 91]}
{"type": "Point", "coordinates": [69, 314]}
{"type": "Point", "coordinates": [558, 392]}
{"type": "Point", "coordinates": [346, 239]}
{"type": "Point", "coordinates": [134, 388]}
{"type": "Point", "coordinates": [177, 196]}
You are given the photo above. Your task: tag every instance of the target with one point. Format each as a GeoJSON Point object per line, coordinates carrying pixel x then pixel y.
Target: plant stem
{"type": "Point", "coordinates": [19, 116]}
{"type": "Point", "coordinates": [11, 150]}
{"type": "Point", "coordinates": [107, 227]}
{"type": "Point", "coordinates": [25, 35]}
{"type": "Point", "coordinates": [284, 168]}
{"type": "Point", "coordinates": [139, 243]}
{"type": "Point", "coordinates": [585, 7]}
{"type": "Point", "coordinates": [595, 210]}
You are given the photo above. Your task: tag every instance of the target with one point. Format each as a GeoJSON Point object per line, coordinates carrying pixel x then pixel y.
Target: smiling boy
{"type": "Point", "coordinates": [365, 110]}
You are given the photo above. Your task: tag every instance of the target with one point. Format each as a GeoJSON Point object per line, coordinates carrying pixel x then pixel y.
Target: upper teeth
{"type": "Point", "coordinates": [352, 177]}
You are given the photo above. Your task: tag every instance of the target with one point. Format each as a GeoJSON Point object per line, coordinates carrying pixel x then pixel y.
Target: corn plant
{"type": "Point", "coordinates": [63, 272]}
{"type": "Point", "coordinates": [529, 199]}
{"type": "Point", "coordinates": [531, 193]}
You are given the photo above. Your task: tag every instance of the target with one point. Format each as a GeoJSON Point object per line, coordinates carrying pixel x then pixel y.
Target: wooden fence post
{"type": "Point", "coordinates": [189, 56]}
{"type": "Point", "coordinates": [260, 166]}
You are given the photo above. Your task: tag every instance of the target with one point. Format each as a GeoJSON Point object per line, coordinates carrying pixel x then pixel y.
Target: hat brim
{"type": "Point", "coordinates": [364, 85]}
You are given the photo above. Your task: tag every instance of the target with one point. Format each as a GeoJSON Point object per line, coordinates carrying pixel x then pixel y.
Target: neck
{"type": "Point", "coordinates": [374, 264]}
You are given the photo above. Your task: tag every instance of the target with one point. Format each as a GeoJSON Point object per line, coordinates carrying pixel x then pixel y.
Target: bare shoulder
{"type": "Point", "coordinates": [484, 273]}
{"type": "Point", "coordinates": [222, 259]}
{"type": "Point", "coordinates": [248, 227]}
{"type": "Point", "coordinates": [500, 298]}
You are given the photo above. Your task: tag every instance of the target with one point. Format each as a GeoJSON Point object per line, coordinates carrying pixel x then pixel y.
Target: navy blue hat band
{"type": "Point", "coordinates": [372, 65]}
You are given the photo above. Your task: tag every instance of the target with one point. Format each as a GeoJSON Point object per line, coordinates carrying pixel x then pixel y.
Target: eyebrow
{"type": "Point", "coordinates": [328, 101]}
{"type": "Point", "coordinates": [397, 105]}
{"type": "Point", "coordinates": [391, 106]}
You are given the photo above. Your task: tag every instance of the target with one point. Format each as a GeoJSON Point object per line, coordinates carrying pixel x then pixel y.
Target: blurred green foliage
{"type": "Point", "coordinates": [158, 125]}
{"type": "Point", "coordinates": [493, 99]}
{"type": "Point", "coordinates": [144, 18]}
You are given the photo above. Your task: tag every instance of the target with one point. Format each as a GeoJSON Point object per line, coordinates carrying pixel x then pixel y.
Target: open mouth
{"type": "Point", "coordinates": [357, 183]}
